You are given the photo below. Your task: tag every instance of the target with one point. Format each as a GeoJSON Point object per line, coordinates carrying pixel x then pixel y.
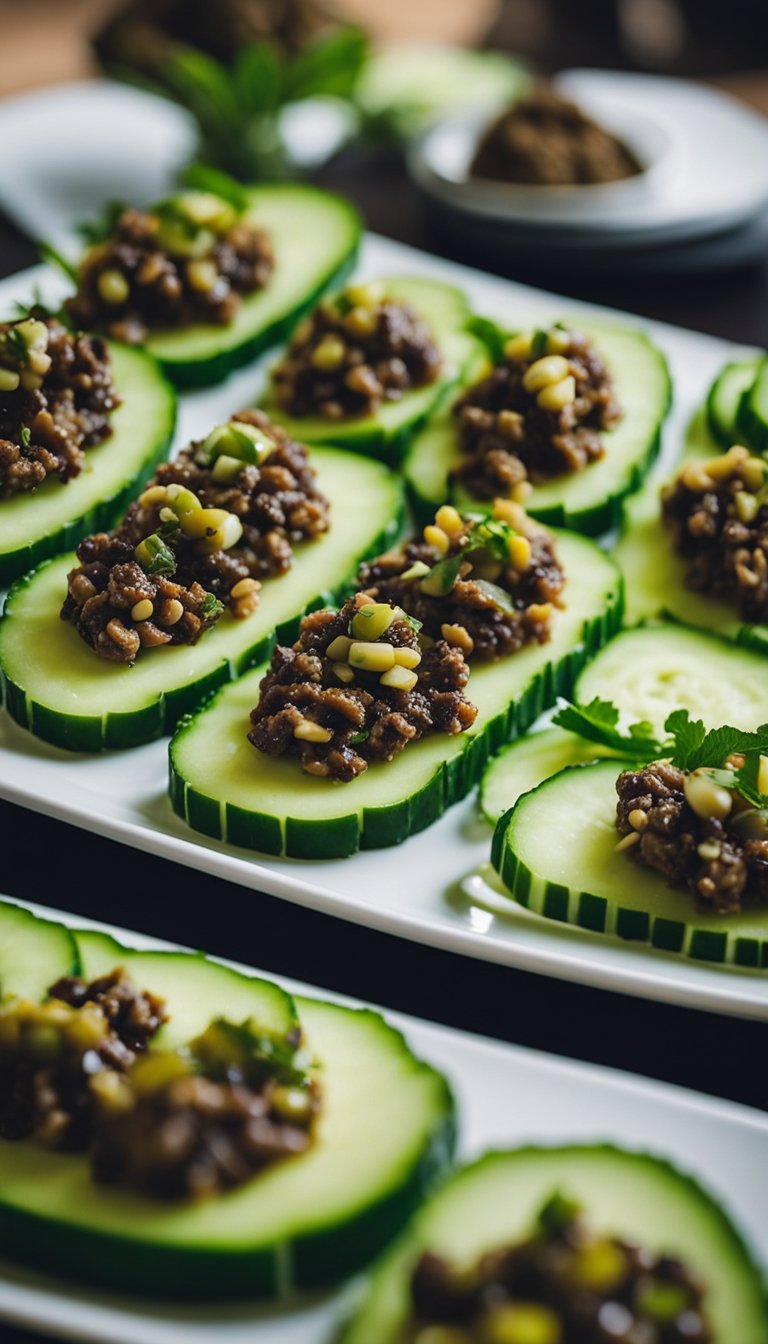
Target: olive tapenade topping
{"type": "Point", "coordinates": [191, 1123]}
{"type": "Point", "coordinates": [488, 586]}
{"type": "Point", "coordinates": [354, 353]}
{"type": "Point", "coordinates": [539, 413]}
{"type": "Point", "coordinates": [358, 685]}
{"type": "Point", "coordinates": [547, 140]}
{"type": "Point", "coordinates": [563, 1285]}
{"type": "Point", "coordinates": [189, 259]}
{"type": "Point", "coordinates": [56, 397]}
{"type": "Point", "coordinates": [51, 1053]}
{"type": "Point", "coordinates": [717, 511]}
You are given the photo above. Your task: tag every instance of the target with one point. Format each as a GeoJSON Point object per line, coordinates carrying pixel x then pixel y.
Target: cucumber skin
{"type": "Point", "coordinates": [382, 827]}
{"type": "Point", "coordinates": [120, 731]}
{"type": "Point", "coordinates": [102, 514]}
{"type": "Point", "coordinates": [752, 417]}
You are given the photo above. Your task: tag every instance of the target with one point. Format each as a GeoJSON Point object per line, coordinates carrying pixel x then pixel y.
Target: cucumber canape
{"type": "Point", "coordinates": [656, 573]}
{"type": "Point", "coordinates": [385, 431]}
{"type": "Point", "coordinates": [382, 1134]}
{"type": "Point", "coordinates": [225, 789]}
{"type": "Point", "coordinates": [58, 688]}
{"type": "Point", "coordinates": [523, 1203]}
{"type": "Point", "coordinates": [159, 273]}
{"type": "Point", "coordinates": [586, 500]}
{"type": "Point", "coordinates": [725, 398]}
{"type": "Point", "coordinates": [646, 673]}
{"type": "Point", "coordinates": [42, 522]}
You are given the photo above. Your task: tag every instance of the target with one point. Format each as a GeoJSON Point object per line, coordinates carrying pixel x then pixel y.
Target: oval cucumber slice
{"type": "Point", "coordinates": [725, 397]}
{"type": "Point", "coordinates": [385, 1134]}
{"type": "Point", "coordinates": [315, 237]}
{"type": "Point", "coordinates": [384, 435]}
{"type": "Point", "coordinates": [54, 517]}
{"type": "Point", "coordinates": [224, 788]}
{"type": "Point", "coordinates": [588, 501]}
{"type": "Point", "coordinates": [647, 673]}
{"type": "Point", "coordinates": [58, 688]}
{"type": "Point", "coordinates": [634, 1195]}
{"type": "Point", "coordinates": [34, 952]}
{"type": "Point", "coordinates": [752, 417]}
{"type": "Point", "coordinates": [556, 854]}
{"type": "Point", "coordinates": [655, 573]}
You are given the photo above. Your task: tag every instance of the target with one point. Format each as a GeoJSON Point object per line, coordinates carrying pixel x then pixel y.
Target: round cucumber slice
{"type": "Point", "coordinates": [384, 1136]}
{"type": "Point", "coordinates": [315, 237]}
{"type": "Point", "coordinates": [588, 501]}
{"type": "Point", "coordinates": [556, 854]}
{"type": "Point", "coordinates": [407, 86]}
{"type": "Point", "coordinates": [725, 397]}
{"type": "Point", "coordinates": [752, 417]}
{"type": "Point", "coordinates": [655, 573]}
{"type": "Point", "coordinates": [54, 517]}
{"type": "Point", "coordinates": [224, 788]}
{"type": "Point", "coordinates": [384, 435]}
{"type": "Point", "coordinates": [34, 953]}
{"type": "Point", "coordinates": [634, 1195]}
{"type": "Point", "coordinates": [58, 688]}
{"type": "Point", "coordinates": [524, 764]}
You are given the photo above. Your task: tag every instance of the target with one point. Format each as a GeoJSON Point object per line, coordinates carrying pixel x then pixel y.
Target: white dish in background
{"type": "Point", "coordinates": [507, 1096]}
{"type": "Point", "coordinates": [707, 156]}
{"type": "Point", "coordinates": [430, 889]}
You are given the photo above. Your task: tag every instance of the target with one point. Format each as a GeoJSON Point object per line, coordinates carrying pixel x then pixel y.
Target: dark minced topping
{"type": "Point", "coordinates": [190, 259]}
{"type": "Point", "coordinates": [718, 513]}
{"type": "Point", "coordinates": [564, 1285]}
{"type": "Point", "coordinates": [358, 685]}
{"type": "Point", "coordinates": [50, 1052]}
{"type": "Point", "coordinates": [487, 586]}
{"type": "Point", "coordinates": [56, 398]}
{"type": "Point", "coordinates": [539, 413]}
{"type": "Point", "coordinates": [696, 833]}
{"type": "Point", "coordinates": [547, 140]}
{"type": "Point", "coordinates": [354, 353]}
{"type": "Point", "coordinates": [222, 516]}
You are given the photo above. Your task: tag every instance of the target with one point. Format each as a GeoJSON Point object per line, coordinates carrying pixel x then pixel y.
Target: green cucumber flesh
{"type": "Point", "coordinates": [225, 788]}
{"type": "Point", "coordinates": [752, 418]}
{"type": "Point", "coordinates": [53, 518]}
{"type": "Point", "coordinates": [34, 952]}
{"type": "Point", "coordinates": [384, 1135]}
{"type": "Point", "coordinates": [646, 672]}
{"type": "Point", "coordinates": [56, 686]}
{"type": "Point", "coordinates": [315, 237]}
{"type": "Point", "coordinates": [725, 397]}
{"type": "Point", "coordinates": [384, 434]}
{"type": "Point", "coordinates": [637, 1196]}
{"type": "Point", "coordinates": [588, 501]}
{"type": "Point", "coordinates": [655, 573]}
{"type": "Point", "coordinates": [563, 833]}
{"type": "Point", "coordinates": [407, 86]}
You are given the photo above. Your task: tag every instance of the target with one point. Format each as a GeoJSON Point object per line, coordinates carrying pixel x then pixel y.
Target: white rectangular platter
{"type": "Point", "coordinates": [506, 1096]}
{"type": "Point", "coordinates": [432, 888]}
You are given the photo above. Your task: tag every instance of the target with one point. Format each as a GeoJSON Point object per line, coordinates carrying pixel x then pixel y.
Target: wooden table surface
{"type": "Point", "coordinates": [49, 862]}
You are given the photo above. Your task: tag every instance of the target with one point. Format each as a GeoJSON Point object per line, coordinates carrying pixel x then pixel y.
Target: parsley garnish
{"type": "Point", "coordinates": [488, 534]}
{"type": "Point", "coordinates": [98, 230]}
{"type": "Point", "coordinates": [539, 343]}
{"type": "Point", "coordinates": [16, 345]}
{"type": "Point", "coordinates": [211, 607]}
{"type": "Point", "coordinates": [598, 722]}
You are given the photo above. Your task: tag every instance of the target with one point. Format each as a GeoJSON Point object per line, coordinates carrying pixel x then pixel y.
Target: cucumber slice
{"type": "Point", "coordinates": [405, 87]}
{"type": "Point", "coordinates": [725, 397]}
{"type": "Point", "coordinates": [315, 237]}
{"type": "Point", "coordinates": [57, 687]}
{"type": "Point", "coordinates": [655, 573]}
{"type": "Point", "coordinates": [647, 673]}
{"type": "Point", "coordinates": [385, 434]}
{"type": "Point", "coordinates": [34, 953]}
{"type": "Point", "coordinates": [588, 501]}
{"type": "Point", "coordinates": [54, 517]}
{"type": "Point", "coordinates": [752, 419]}
{"type": "Point", "coordinates": [224, 788]}
{"type": "Point", "coordinates": [633, 1195]}
{"type": "Point", "coordinates": [385, 1134]}
{"type": "Point", "coordinates": [556, 854]}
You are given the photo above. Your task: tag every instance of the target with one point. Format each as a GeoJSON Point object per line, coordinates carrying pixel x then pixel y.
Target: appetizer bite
{"type": "Point", "coordinates": [566, 1246]}
{"type": "Point", "coordinates": [170, 1126]}
{"type": "Point", "coordinates": [78, 413]}
{"type": "Point", "coordinates": [566, 420]}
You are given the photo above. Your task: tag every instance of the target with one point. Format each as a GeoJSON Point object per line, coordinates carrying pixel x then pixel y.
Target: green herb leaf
{"type": "Point", "coordinates": [52, 255]}
{"type": "Point", "coordinates": [329, 66]}
{"type": "Point", "coordinates": [693, 748]}
{"type": "Point", "coordinates": [16, 345]}
{"type": "Point", "coordinates": [492, 337]}
{"type": "Point", "coordinates": [154, 556]}
{"type": "Point", "coordinates": [205, 86]}
{"type": "Point", "coordinates": [358, 737]}
{"type": "Point", "coordinates": [97, 230]}
{"type": "Point", "coordinates": [258, 76]}
{"type": "Point", "coordinates": [246, 1048]}
{"type": "Point", "coordinates": [201, 177]}
{"type": "Point", "coordinates": [26, 436]}
{"type": "Point", "coordinates": [539, 343]}
{"type": "Point", "coordinates": [598, 722]}
{"type": "Point", "coordinates": [211, 608]}
{"type": "Point", "coordinates": [489, 534]}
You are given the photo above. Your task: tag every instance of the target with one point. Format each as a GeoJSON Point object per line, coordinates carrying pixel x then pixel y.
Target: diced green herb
{"type": "Point", "coordinates": [557, 1213]}
{"type": "Point", "coordinates": [155, 557]}
{"type": "Point", "coordinates": [442, 576]}
{"type": "Point", "coordinates": [98, 230]}
{"type": "Point", "coordinates": [16, 345]}
{"type": "Point", "coordinates": [211, 607]}
{"type": "Point", "coordinates": [539, 343]}
{"type": "Point", "coordinates": [26, 436]}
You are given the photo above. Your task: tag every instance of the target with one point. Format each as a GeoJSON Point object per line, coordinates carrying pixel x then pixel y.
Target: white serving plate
{"type": "Point", "coordinates": [506, 1096]}
{"type": "Point", "coordinates": [430, 889]}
